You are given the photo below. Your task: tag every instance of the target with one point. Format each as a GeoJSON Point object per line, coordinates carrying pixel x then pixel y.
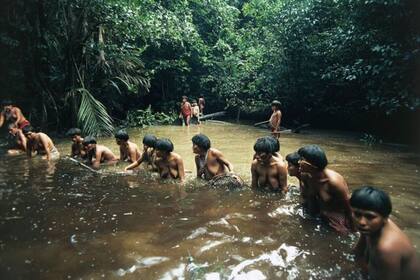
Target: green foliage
{"type": "Point", "coordinates": [142, 118]}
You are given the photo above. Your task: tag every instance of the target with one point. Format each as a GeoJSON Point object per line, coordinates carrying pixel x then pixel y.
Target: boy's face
{"type": "Point", "coordinates": [368, 222]}
{"type": "Point", "coordinates": [119, 141]}
{"type": "Point", "coordinates": [196, 149]}
{"type": "Point", "coordinates": [184, 100]}
{"type": "Point", "coordinates": [293, 170]}
{"type": "Point", "coordinates": [263, 157]}
{"type": "Point", "coordinates": [160, 153]}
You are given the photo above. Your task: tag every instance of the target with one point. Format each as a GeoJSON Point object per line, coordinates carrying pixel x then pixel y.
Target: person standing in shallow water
{"type": "Point", "coordinates": [275, 119]}
{"type": "Point", "coordinates": [326, 187]}
{"type": "Point", "coordinates": [169, 164]}
{"type": "Point", "coordinates": [40, 143]}
{"type": "Point", "coordinates": [186, 111]}
{"type": "Point", "coordinates": [201, 104]}
{"type": "Point", "coordinates": [267, 170]}
{"type": "Point", "coordinates": [149, 154]}
{"type": "Point", "coordinates": [383, 250]}
{"type": "Point", "coordinates": [128, 150]}
{"type": "Point", "coordinates": [97, 154]}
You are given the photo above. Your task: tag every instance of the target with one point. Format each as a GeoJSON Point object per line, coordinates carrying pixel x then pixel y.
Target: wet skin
{"type": "Point", "coordinates": [269, 171]}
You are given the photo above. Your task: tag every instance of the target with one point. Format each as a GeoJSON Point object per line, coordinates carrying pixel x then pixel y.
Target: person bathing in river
{"type": "Point", "coordinates": [19, 145]}
{"type": "Point", "coordinates": [326, 187]}
{"type": "Point", "coordinates": [195, 119]}
{"type": "Point", "coordinates": [77, 149]}
{"type": "Point", "coordinates": [128, 150]}
{"type": "Point", "coordinates": [275, 119]}
{"type": "Point", "coordinates": [97, 154]}
{"type": "Point", "coordinates": [383, 250]}
{"type": "Point", "coordinates": [39, 143]}
{"type": "Point", "coordinates": [169, 164]}
{"type": "Point", "coordinates": [308, 200]}
{"type": "Point", "coordinates": [186, 111]}
{"type": "Point", "coordinates": [149, 154]}
{"type": "Point", "coordinates": [267, 170]}
{"type": "Point", "coordinates": [13, 117]}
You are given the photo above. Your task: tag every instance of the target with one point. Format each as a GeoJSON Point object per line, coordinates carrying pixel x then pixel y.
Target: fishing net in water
{"type": "Point", "coordinates": [229, 181]}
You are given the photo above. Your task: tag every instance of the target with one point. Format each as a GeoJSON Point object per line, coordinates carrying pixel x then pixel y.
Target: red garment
{"type": "Point", "coordinates": [23, 124]}
{"type": "Point", "coordinates": [186, 109]}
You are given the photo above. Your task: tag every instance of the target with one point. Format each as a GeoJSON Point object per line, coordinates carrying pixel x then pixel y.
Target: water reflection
{"type": "Point", "coordinates": [59, 220]}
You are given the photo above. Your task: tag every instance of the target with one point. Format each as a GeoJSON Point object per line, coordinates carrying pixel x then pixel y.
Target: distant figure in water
{"type": "Point", "coordinates": [275, 118]}
{"type": "Point", "coordinates": [308, 199]}
{"type": "Point", "coordinates": [12, 116]}
{"type": "Point", "coordinates": [201, 104]}
{"type": "Point", "coordinates": [19, 145]}
{"type": "Point", "coordinates": [212, 165]}
{"type": "Point", "coordinates": [97, 154]}
{"type": "Point", "coordinates": [77, 149]}
{"type": "Point", "coordinates": [186, 111]}
{"type": "Point", "coordinates": [383, 250]}
{"type": "Point", "coordinates": [149, 154]}
{"type": "Point", "coordinates": [326, 187]}
{"type": "Point", "coordinates": [195, 119]}
{"type": "Point", "coordinates": [267, 170]}
{"type": "Point", "coordinates": [39, 143]}
{"type": "Point", "coordinates": [169, 164]}
{"type": "Point", "coordinates": [128, 150]}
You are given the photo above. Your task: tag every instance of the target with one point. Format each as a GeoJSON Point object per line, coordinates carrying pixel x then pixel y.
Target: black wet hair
{"type": "Point", "coordinates": [74, 131]}
{"type": "Point", "coordinates": [276, 103]}
{"type": "Point", "coordinates": [164, 145]}
{"type": "Point", "coordinates": [6, 102]}
{"type": "Point", "coordinates": [276, 143]}
{"type": "Point", "coordinates": [265, 144]}
{"type": "Point", "coordinates": [122, 135]}
{"type": "Point", "coordinates": [202, 141]}
{"type": "Point", "coordinates": [314, 155]}
{"type": "Point", "coordinates": [185, 97]}
{"type": "Point", "coordinates": [201, 96]}
{"type": "Point", "coordinates": [293, 158]}
{"type": "Point", "coordinates": [89, 140]}
{"type": "Point", "coordinates": [27, 129]}
{"type": "Point", "coordinates": [150, 140]}
{"type": "Point", "coordinates": [372, 199]}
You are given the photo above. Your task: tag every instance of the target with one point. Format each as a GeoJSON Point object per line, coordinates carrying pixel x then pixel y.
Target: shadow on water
{"type": "Point", "coordinates": [59, 220]}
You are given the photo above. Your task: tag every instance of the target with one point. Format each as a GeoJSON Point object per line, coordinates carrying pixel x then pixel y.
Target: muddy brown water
{"type": "Point", "coordinates": [60, 221]}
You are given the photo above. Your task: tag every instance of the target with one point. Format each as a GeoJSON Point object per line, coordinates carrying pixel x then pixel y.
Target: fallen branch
{"type": "Point", "coordinates": [213, 115]}
{"type": "Point", "coordinates": [84, 165]}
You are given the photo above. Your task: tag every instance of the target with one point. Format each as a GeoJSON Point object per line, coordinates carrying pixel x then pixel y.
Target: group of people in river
{"type": "Point", "coordinates": [191, 112]}
{"type": "Point", "coordinates": [383, 249]}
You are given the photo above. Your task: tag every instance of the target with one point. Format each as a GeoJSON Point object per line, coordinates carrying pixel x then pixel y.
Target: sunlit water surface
{"type": "Point", "coordinates": [60, 221]}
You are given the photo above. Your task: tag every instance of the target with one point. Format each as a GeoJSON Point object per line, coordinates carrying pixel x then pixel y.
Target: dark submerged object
{"type": "Point", "coordinates": [229, 181]}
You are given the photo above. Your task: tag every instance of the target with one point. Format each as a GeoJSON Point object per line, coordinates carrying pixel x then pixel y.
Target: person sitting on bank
{"type": "Point", "coordinates": [195, 119]}
{"type": "Point", "coordinates": [383, 250]}
{"type": "Point", "coordinates": [97, 154]}
{"type": "Point", "coordinates": [308, 199]}
{"type": "Point", "coordinates": [275, 118]}
{"type": "Point", "coordinates": [77, 149]}
{"type": "Point", "coordinates": [169, 164]}
{"type": "Point", "coordinates": [128, 150]}
{"type": "Point", "coordinates": [149, 154]}
{"type": "Point", "coordinates": [186, 111]}
{"type": "Point", "coordinates": [267, 170]}
{"type": "Point", "coordinates": [19, 140]}
{"type": "Point", "coordinates": [326, 187]}
{"type": "Point", "coordinates": [39, 143]}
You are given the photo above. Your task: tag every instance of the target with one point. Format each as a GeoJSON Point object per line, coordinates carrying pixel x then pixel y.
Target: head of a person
{"type": "Point", "coordinates": [201, 143]}
{"type": "Point", "coordinates": [264, 148]}
{"type": "Point", "coordinates": [312, 159]}
{"type": "Point", "coordinates": [293, 164]}
{"type": "Point", "coordinates": [371, 208]}
{"type": "Point", "coordinates": [275, 105]}
{"type": "Point", "coordinates": [184, 98]}
{"type": "Point", "coordinates": [75, 134]}
{"type": "Point", "coordinates": [89, 143]}
{"type": "Point", "coordinates": [28, 131]}
{"type": "Point", "coordinates": [276, 143]}
{"type": "Point", "coordinates": [12, 128]}
{"type": "Point", "coordinates": [149, 141]}
{"type": "Point", "coordinates": [201, 96]}
{"type": "Point", "coordinates": [194, 102]}
{"type": "Point", "coordinates": [164, 147]}
{"type": "Point", "coordinates": [121, 137]}
{"type": "Point", "coordinates": [7, 104]}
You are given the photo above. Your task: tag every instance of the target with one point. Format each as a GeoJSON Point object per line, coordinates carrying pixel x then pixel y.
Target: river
{"type": "Point", "coordinates": [60, 221]}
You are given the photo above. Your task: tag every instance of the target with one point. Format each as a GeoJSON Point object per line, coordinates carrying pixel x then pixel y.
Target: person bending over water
{"type": "Point", "coordinates": [19, 145]}
{"type": "Point", "coordinates": [128, 150]}
{"type": "Point", "coordinates": [169, 164]}
{"type": "Point", "coordinates": [267, 170]}
{"type": "Point", "coordinates": [383, 250]}
{"type": "Point", "coordinates": [149, 154]}
{"type": "Point", "coordinates": [326, 187]}
{"type": "Point", "coordinates": [97, 154]}
{"type": "Point", "coordinates": [77, 149]}
{"type": "Point", "coordinates": [308, 199]}
{"type": "Point", "coordinates": [40, 143]}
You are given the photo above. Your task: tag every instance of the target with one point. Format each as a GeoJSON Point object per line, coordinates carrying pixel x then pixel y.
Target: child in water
{"type": "Point", "coordinates": [195, 119]}
{"type": "Point", "coordinates": [149, 154]}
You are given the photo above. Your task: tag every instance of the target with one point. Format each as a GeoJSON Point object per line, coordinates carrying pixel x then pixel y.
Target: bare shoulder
{"type": "Point", "coordinates": [176, 156]}
{"type": "Point", "coordinates": [394, 241]}
{"type": "Point", "coordinates": [215, 152]}
{"type": "Point", "coordinates": [336, 179]}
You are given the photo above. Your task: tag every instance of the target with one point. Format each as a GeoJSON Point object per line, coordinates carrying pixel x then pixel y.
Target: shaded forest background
{"type": "Point", "coordinates": [346, 64]}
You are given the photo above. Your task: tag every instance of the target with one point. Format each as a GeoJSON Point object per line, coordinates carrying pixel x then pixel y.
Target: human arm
{"type": "Point", "coordinates": [135, 163]}
{"type": "Point", "coordinates": [181, 171]}
{"type": "Point", "coordinates": [132, 151]}
{"type": "Point", "coordinates": [388, 264]}
{"type": "Point", "coordinates": [340, 194]}
{"type": "Point", "coordinates": [221, 158]}
{"type": "Point", "coordinates": [45, 143]}
{"type": "Point", "coordinates": [254, 174]}
{"type": "Point", "coordinates": [1, 118]}
{"type": "Point", "coordinates": [97, 162]}
{"type": "Point", "coordinates": [282, 177]}
{"type": "Point", "coordinates": [200, 170]}
{"type": "Point", "coordinates": [18, 115]}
